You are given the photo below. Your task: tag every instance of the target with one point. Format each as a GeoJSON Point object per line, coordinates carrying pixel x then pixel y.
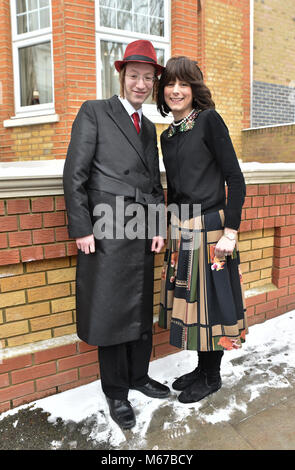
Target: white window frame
{"type": "Point", "coordinates": [119, 35]}
{"type": "Point", "coordinates": [23, 40]}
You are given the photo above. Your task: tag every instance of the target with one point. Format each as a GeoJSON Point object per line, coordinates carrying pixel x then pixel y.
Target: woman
{"type": "Point", "coordinates": [202, 299]}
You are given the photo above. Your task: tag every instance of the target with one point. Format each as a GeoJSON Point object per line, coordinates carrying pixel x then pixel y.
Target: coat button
{"type": "Point", "coordinates": [126, 172]}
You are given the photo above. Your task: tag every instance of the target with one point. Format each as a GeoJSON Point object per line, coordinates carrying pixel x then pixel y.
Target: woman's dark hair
{"type": "Point", "coordinates": [186, 70]}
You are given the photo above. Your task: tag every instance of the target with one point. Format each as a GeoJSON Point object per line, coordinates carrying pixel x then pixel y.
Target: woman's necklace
{"type": "Point", "coordinates": [186, 124]}
{"type": "Point", "coordinates": [178, 123]}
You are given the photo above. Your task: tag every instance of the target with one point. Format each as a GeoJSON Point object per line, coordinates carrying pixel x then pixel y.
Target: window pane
{"type": "Point", "coordinates": [22, 26]}
{"type": "Point", "coordinates": [124, 21]}
{"type": "Point", "coordinates": [21, 6]}
{"type": "Point", "coordinates": [141, 23]}
{"type": "Point", "coordinates": [107, 17]}
{"type": "Point", "coordinates": [140, 6]}
{"type": "Point", "coordinates": [156, 8]}
{"type": "Point", "coordinates": [43, 3]}
{"type": "Point", "coordinates": [124, 5]}
{"type": "Point", "coordinates": [156, 27]}
{"type": "Point", "coordinates": [35, 74]}
{"type": "Point", "coordinates": [110, 51]}
{"type": "Point", "coordinates": [44, 18]}
{"type": "Point", "coordinates": [32, 5]}
{"type": "Point", "coordinates": [108, 3]}
{"type": "Point", "coordinates": [33, 21]}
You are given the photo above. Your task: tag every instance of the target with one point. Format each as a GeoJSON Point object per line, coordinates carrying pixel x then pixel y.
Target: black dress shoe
{"type": "Point", "coordinates": [200, 389]}
{"type": "Point", "coordinates": [153, 389]}
{"type": "Point", "coordinates": [186, 380]}
{"type": "Point", "coordinates": [122, 413]}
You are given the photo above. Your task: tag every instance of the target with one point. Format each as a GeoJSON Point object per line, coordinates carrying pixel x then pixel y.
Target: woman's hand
{"type": "Point", "coordinates": [86, 244]}
{"type": "Point", "coordinates": [225, 246]}
{"type": "Point", "coordinates": [158, 243]}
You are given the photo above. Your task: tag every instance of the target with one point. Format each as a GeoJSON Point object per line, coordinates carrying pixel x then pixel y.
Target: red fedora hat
{"type": "Point", "coordinates": [140, 51]}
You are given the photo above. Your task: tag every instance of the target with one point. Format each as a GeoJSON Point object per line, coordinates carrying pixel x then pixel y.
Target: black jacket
{"type": "Point", "coordinates": [198, 162]}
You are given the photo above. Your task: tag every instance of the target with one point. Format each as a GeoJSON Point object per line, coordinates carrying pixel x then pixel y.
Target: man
{"type": "Point", "coordinates": [113, 153]}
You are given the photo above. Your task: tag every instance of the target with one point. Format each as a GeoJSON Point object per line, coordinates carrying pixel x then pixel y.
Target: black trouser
{"type": "Point", "coordinates": [125, 365]}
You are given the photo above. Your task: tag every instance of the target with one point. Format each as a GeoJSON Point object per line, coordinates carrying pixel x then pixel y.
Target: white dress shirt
{"type": "Point", "coordinates": [130, 110]}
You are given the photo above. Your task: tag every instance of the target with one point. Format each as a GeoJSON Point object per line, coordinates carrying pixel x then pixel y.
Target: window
{"type": "Point", "coordinates": [32, 57]}
{"type": "Point", "coordinates": [119, 22]}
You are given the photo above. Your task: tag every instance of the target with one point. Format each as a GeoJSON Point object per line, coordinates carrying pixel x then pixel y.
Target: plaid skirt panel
{"type": "Point", "coordinates": [202, 298]}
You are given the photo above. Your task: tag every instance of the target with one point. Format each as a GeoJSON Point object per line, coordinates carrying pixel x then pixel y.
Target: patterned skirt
{"type": "Point", "coordinates": [202, 298]}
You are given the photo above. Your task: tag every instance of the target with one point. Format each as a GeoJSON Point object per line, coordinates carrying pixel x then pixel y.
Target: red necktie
{"type": "Point", "coordinates": [135, 117]}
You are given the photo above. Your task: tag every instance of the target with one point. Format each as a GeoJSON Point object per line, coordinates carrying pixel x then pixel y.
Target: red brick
{"type": "Point", "coordinates": [290, 219]}
{"type": "Point", "coordinates": [30, 221]}
{"type": "Point", "coordinates": [34, 372]}
{"type": "Point", "coordinates": [257, 201]}
{"type": "Point", "coordinates": [256, 319]}
{"type": "Point", "coordinates": [252, 189]}
{"type": "Point", "coordinates": [245, 226]}
{"type": "Point", "coordinates": [250, 311]}
{"type": "Point", "coordinates": [282, 241]}
{"type": "Point", "coordinates": [262, 308]}
{"type": "Point", "coordinates": [60, 203]}
{"type": "Point", "coordinates": [280, 199]}
{"type": "Point", "coordinates": [284, 251]}
{"type": "Point", "coordinates": [18, 206]}
{"type": "Point", "coordinates": [54, 251]}
{"type": "Point", "coordinates": [43, 236]}
{"type": "Point", "coordinates": [20, 238]}
{"type": "Point", "coordinates": [274, 313]}
{"type": "Point", "coordinates": [269, 200]}
{"type": "Point", "coordinates": [15, 363]}
{"type": "Point", "coordinates": [274, 210]}
{"type": "Point", "coordinates": [263, 189]}
{"type": "Point", "coordinates": [53, 219]}
{"type": "Point", "coordinates": [89, 371]}
{"type": "Point", "coordinates": [280, 282]}
{"type": "Point", "coordinates": [16, 391]}
{"type": "Point", "coordinates": [263, 212]}
{"type": "Point", "coordinates": [42, 204]}
{"type": "Point", "coordinates": [9, 257]}
{"type": "Point", "coordinates": [4, 380]}
{"type": "Point", "coordinates": [33, 253]}
{"type": "Point", "coordinates": [84, 347]}
{"type": "Point", "coordinates": [77, 361]}
{"type": "Point", "coordinates": [268, 222]}
{"type": "Point", "coordinates": [286, 187]}
{"type": "Point", "coordinates": [3, 240]}
{"type": "Point", "coordinates": [33, 396]}
{"type": "Point", "coordinates": [287, 209]}
{"type": "Point", "coordinates": [251, 213]}
{"type": "Point", "coordinates": [72, 249]}
{"type": "Point", "coordinates": [57, 379]}
{"type": "Point", "coordinates": [8, 223]}
{"type": "Point", "coordinates": [247, 202]}
{"type": "Point", "coordinates": [274, 189]}
{"type": "Point", "coordinates": [284, 272]}
{"type": "Point", "coordinates": [286, 300]}
{"type": "Point", "coordinates": [55, 353]}
{"type": "Point", "coordinates": [281, 262]}
{"type": "Point", "coordinates": [256, 299]}
{"type": "Point", "coordinates": [4, 406]}
{"type": "Point", "coordinates": [285, 231]}
{"type": "Point", "coordinates": [290, 198]}
{"type": "Point", "coordinates": [61, 234]}
{"type": "Point", "coordinates": [257, 224]}
{"type": "Point", "coordinates": [2, 208]}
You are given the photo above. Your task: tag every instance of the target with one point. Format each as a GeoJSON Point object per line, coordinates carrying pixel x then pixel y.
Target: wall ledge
{"type": "Point", "coordinates": [18, 121]}
{"type": "Point", "coordinates": [44, 177]}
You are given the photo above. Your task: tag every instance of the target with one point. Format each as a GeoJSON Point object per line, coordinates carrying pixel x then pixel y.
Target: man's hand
{"type": "Point", "coordinates": [158, 243]}
{"type": "Point", "coordinates": [86, 244]}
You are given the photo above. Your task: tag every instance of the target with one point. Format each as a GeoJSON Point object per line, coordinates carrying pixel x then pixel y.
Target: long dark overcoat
{"type": "Point", "coordinates": [107, 158]}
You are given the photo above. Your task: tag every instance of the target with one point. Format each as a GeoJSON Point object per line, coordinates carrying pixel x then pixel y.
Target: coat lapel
{"type": "Point", "coordinates": [121, 118]}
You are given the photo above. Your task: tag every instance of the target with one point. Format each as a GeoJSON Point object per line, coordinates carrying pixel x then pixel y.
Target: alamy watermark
{"type": "Point", "coordinates": [135, 221]}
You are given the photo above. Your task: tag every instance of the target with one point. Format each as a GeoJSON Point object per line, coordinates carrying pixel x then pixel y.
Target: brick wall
{"type": "Point", "coordinates": [271, 144]}
{"type": "Point", "coordinates": [273, 69]}
{"type": "Point", "coordinates": [37, 292]}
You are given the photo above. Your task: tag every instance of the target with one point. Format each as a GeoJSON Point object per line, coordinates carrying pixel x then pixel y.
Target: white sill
{"type": "Point", "coordinates": [17, 121]}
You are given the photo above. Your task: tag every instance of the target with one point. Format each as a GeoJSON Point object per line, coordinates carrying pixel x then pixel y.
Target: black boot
{"type": "Point", "coordinates": [208, 380]}
{"type": "Point", "coordinates": [187, 379]}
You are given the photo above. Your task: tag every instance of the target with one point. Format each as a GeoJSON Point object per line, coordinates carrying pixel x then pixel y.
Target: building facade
{"type": "Point", "coordinates": [55, 55]}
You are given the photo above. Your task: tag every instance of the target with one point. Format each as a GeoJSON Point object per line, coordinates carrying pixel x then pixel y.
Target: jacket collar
{"type": "Point", "coordinates": [121, 118]}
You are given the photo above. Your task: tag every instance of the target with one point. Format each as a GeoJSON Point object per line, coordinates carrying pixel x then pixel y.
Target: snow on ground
{"type": "Point", "coordinates": [268, 357]}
